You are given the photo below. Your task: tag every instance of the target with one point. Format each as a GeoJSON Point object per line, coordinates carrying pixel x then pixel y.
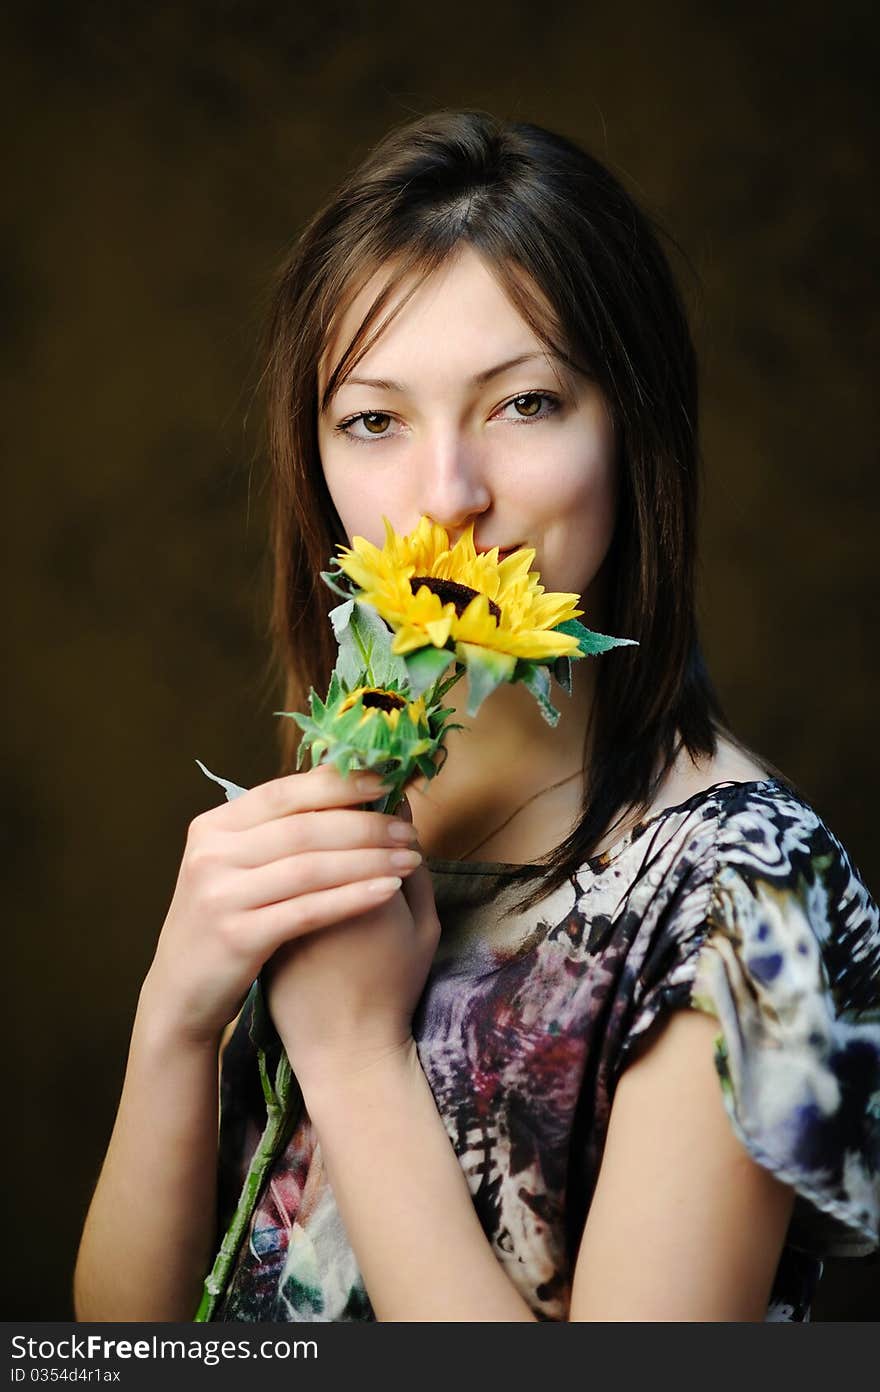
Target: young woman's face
{"type": "Point", "coordinates": [445, 429]}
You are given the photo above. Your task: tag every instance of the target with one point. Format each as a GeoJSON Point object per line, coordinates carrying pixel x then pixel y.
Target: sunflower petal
{"type": "Point", "coordinates": [407, 639]}
{"type": "Point", "coordinates": [438, 630]}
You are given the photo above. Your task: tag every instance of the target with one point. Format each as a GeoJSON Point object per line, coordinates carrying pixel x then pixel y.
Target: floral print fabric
{"type": "Point", "coordinates": [739, 902]}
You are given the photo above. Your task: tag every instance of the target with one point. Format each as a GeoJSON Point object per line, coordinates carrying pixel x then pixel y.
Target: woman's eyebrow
{"type": "Point", "coordinates": [478, 380]}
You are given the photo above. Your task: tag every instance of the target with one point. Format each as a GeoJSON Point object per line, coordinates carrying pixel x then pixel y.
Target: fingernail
{"type": "Point", "coordinates": [369, 783]}
{"type": "Point", "coordinates": [385, 885]}
{"type": "Point", "coordinates": [409, 858]}
{"type": "Point", "coordinates": [401, 830]}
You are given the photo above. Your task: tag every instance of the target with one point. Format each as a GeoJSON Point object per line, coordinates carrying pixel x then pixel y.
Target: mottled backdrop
{"type": "Point", "coordinates": [162, 158]}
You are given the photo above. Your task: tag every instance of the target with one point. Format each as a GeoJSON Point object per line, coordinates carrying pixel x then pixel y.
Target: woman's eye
{"type": "Point", "coordinates": [531, 403]}
{"type": "Point", "coordinates": [527, 406]}
{"type": "Point", "coordinates": [370, 420]}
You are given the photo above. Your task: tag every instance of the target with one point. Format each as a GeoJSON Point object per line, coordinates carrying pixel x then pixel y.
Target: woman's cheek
{"type": "Point", "coordinates": [578, 515]}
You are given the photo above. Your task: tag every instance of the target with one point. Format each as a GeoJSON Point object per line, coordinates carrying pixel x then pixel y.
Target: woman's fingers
{"type": "Point", "coordinates": [299, 875]}
{"type": "Point", "coordinates": [267, 928]}
{"type": "Point", "coordinates": [418, 891]}
{"type": "Point", "coordinates": [287, 857]}
{"type": "Point", "coordinates": [342, 828]}
{"type": "Point", "coordinates": [320, 787]}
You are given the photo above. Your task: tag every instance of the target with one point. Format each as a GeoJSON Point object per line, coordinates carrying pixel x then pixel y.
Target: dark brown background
{"type": "Point", "coordinates": [163, 156]}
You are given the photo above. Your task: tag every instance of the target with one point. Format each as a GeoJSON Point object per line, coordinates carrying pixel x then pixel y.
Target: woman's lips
{"type": "Point", "coordinates": [502, 550]}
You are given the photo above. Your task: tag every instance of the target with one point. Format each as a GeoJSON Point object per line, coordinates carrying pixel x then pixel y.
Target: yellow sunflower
{"type": "Point", "coordinates": [430, 593]}
{"type": "Point", "coordinates": [445, 602]}
{"type": "Point", "coordinates": [381, 704]}
{"type": "Point", "coordinates": [379, 727]}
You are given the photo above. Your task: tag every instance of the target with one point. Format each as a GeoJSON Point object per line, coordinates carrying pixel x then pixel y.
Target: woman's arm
{"type": "Point", "coordinates": [149, 1234]}
{"type": "Point", "coordinates": [404, 1199]}
{"type": "Point", "coordinates": [683, 1224]}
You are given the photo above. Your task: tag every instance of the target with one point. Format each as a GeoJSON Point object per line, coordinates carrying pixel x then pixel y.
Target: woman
{"type": "Point", "coordinates": [641, 1088]}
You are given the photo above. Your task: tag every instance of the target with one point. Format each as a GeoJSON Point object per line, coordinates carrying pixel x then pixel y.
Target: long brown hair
{"type": "Point", "coordinates": [543, 213]}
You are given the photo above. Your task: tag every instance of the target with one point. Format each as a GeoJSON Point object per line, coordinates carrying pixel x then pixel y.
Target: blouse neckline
{"type": "Point", "coordinates": [442, 866]}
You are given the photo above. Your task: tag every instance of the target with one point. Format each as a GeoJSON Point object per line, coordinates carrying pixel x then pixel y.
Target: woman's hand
{"type": "Point", "coordinates": [284, 860]}
{"type": "Point", "coordinates": [344, 997]}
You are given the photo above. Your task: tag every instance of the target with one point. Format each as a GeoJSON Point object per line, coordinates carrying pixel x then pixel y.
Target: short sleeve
{"type": "Point", "coordinates": [780, 942]}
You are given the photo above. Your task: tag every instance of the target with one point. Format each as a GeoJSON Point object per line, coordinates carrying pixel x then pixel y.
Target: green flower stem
{"type": "Point", "coordinates": [270, 1096]}
{"type": "Point", "coordinates": [440, 691]}
{"type": "Point", "coordinates": [281, 1121]}
{"type": "Point", "coordinates": [281, 1116]}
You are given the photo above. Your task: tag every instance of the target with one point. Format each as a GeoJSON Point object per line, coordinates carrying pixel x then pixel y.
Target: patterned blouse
{"type": "Point", "coordinates": [739, 902]}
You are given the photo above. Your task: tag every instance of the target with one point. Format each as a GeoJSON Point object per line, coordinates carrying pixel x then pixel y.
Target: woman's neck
{"type": "Point", "coordinates": [505, 756]}
{"type": "Point", "coordinates": [509, 738]}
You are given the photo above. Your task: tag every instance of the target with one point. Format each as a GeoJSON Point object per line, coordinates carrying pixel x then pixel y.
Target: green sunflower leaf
{"type": "Point", "coordinates": [561, 670]}
{"type": "Point", "coordinates": [316, 705]}
{"type": "Point", "coordinates": [331, 578]}
{"type": "Point", "coordinates": [232, 790]}
{"type": "Point", "coordinates": [424, 666]}
{"type": "Point", "coordinates": [486, 669]}
{"type": "Point", "coordinates": [590, 642]}
{"type": "Point", "coordinates": [454, 727]}
{"type": "Point", "coordinates": [435, 716]}
{"type": "Point", "coordinates": [426, 767]}
{"type": "Point", "coordinates": [260, 1026]}
{"type": "Point", "coordinates": [536, 677]}
{"type": "Point", "coordinates": [334, 691]}
{"type": "Point", "coordinates": [365, 657]}
{"type": "Point", "coordinates": [340, 617]}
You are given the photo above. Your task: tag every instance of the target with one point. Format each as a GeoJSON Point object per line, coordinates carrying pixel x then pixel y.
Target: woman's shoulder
{"type": "Point", "coordinates": [760, 838]}
{"type": "Point", "coordinates": [731, 763]}
{"type": "Point", "coordinates": [786, 891]}
{"type": "Point", "coordinates": [758, 916]}
{"type": "Point", "coordinates": [765, 830]}
{"type": "Point", "coordinates": [750, 880]}
{"type": "Point", "coordinates": [686, 783]}
{"type": "Point", "coordinates": [753, 869]}
{"type": "Point", "coordinates": [752, 816]}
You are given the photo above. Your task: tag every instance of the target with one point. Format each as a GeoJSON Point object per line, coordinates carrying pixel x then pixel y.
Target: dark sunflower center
{"type": "Point", "coordinates": [385, 700]}
{"type": "Point", "coordinates": [451, 592]}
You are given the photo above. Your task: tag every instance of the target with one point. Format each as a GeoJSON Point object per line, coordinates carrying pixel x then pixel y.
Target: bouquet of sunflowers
{"type": "Point", "coordinates": [410, 610]}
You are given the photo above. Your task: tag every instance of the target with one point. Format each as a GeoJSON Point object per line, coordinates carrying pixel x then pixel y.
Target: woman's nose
{"type": "Point", "coordinates": [453, 484]}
